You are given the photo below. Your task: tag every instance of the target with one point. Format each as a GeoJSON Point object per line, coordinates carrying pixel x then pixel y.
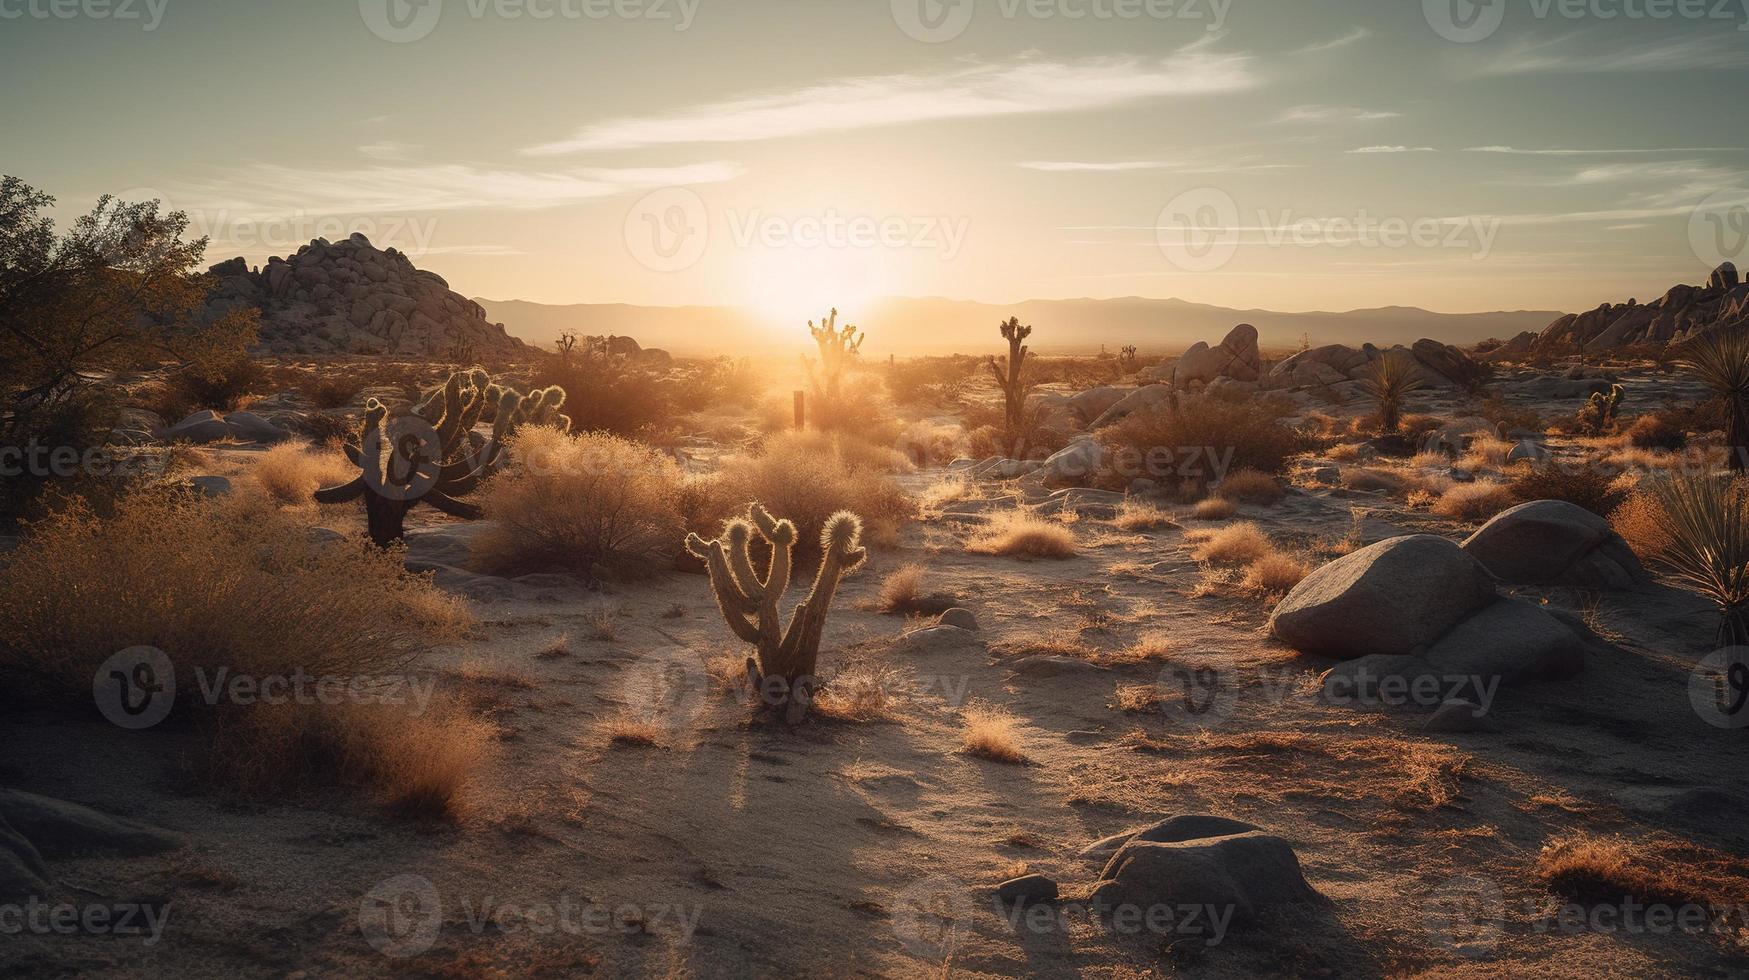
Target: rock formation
{"type": "Point", "coordinates": [1679, 314]}
{"type": "Point", "coordinates": [350, 297]}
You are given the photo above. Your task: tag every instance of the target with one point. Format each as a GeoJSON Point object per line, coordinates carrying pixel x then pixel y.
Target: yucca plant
{"type": "Point", "coordinates": [1703, 540]}
{"type": "Point", "coordinates": [1389, 379]}
{"type": "Point", "coordinates": [1720, 359]}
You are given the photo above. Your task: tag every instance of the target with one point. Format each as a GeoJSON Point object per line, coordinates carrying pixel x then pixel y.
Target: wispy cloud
{"type": "Point", "coordinates": [1393, 149]}
{"type": "Point", "coordinates": [1358, 34]}
{"type": "Point", "coordinates": [386, 150]}
{"type": "Point", "coordinates": [1562, 55]}
{"type": "Point", "coordinates": [1573, 152]}
{"type": "Point", "coordinates": [1070, 166]}
{"type": "Point", "coordinates": [1331, 113]}
{"type": "Point", "coordinates": [270, 190]}
{"type": "Point", "coordinates": [888, 100]}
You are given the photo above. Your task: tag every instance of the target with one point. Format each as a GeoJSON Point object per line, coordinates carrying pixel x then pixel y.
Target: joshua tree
{"type": "Point", "coordinates": [566, 343]}
{"type": "Point", "coordinates": [1009, 377]}
{"type": "Point", "coordinates": [783, 669]}
{"type": "Point", "coordinates": [1126, 358]}
{"type": "Point", "coordinates": [1720, 358]}
{"type": "Point", "coordinates": [1598, 415]}
{"type": "Point", "coordinates": [838, 347]}
{"type": "Point", "coordinates": [430, 453]}
{"type": "Point", "coordinates": [1389, 379]}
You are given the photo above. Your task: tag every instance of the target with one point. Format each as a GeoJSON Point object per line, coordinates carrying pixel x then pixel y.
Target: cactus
{"type": "Point", "coordinates": [782, 670]}
{"type": "Point", "coordinates": [838, 347]}
{"type": "Point", "coordinates": [1009, 379]}
{"type": "Point", "coordinates": [1598, 415]}
{"type": "Point", "coordinates": [431, 454]}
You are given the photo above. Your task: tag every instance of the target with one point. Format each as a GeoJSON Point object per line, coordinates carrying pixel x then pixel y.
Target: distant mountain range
{"type": "Point", "coordinates": [939, 326]}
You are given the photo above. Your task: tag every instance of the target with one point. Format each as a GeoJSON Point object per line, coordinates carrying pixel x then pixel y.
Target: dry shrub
{"type": "Point", "coordinates": [1213, 509]}
{"type": "Point", "coordinates": [1152, 645]}
{"type": "Point", "coordinates": [947, 490]}
{"type": "Point", "coordinates": [1140, 515]}
{"type": "Point", "coordinates": [1650, 869]}
{"type": "Point", "coordinates": [603, 622]}
{"type": "Point", "coordinates": [1275, 573]}
{"type": "Point", "coordinates": [902, 592]}
{"type": "Point", "coordinates": [927, 443]}
{"type": "Point", "coordinates": [228, 582]}
{"type": "Point", "coordinates": [1581, 485]}
{"type": "Point", "coordinates": [416, 762]}
{"type": "Point", "coordinates": [1235, 544]}
{"type": "Point", "coordinates": [1361, 478]}
{"type": "Point", "coordinates": [291, 473]}
{"type": "Point", "coordinates": [1348, 770]}
{"type": "Point", "coordinates": [1484, 452]}
{"type": "Point", "coordinates": [558, 646]}
{"type": "Point", "coordinates": [1642, 523]}
{"type": "Point", "coordinates": [1252, 487]}
{"type": "Point", "coordinates": [1657, 430]}
{"type": "Point", "coordinates": [1344, 452]}
{"type": "Point", "coordinates": [809, 476]}
{"type": "Point", "coordinates": [1476, 501]}
{"type": "Point", "coordinates": [860, 691]}
{"type": "Point", "coordinates": [1023, 534]}
{"type": "Point", "coordinates": [1244, 435]}
{"type": "Point", "coordinates": [1138, 698]}
{"type": "Point", "coordinates": [595, 503]}
{"type": "Point", "coordinates": [627, 729]}
{"type": "Point", "coordinates": [991, 733]}
{"type": "Point", "coordinates": [1417, 499]}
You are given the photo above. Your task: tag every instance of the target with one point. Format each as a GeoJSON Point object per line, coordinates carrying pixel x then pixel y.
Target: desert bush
{"type": "Point", "coordinates": [1642, 523]}
{"type": "Point", "coordinates": [991, 733]}
{"type": "Point", "coordinates": [901, 589]}
{"type": "Point", "coordinates": [809, 476]}
{"type": "Point", "coordinates": [1274, 573]}
{"type": "Point", "coordinates": [608, 393]}
{"type": "Point", "coordinates": [1585, 486]}
{"type": "Point", "coordinates": [931, 443]}
{"type": "Point", "coordinates": [290, 473]}
{"type": "Point", "coordinates": [1607, 870]}
{"type": "Point", "coordinates": [1140, 515]}
{"type": "Point", "coordinates": [226, 582]}
{"type": "Point", "coordinates": [1506, 418]}
{"type": "Point", "coordinates": [1252, 487]}
{"type": "Point", "coordinates": [1476, 501]}
{"type": "Point", "coordinates": [933, 381]}
{"type": "Point", "coordinates": [223, 385]}
{"type": "Point", "coordinates": [1213, 509]}
{"type": "Point", "coordinates": [1235, 544]}
{"type": "Point", "coordinates": [1657, 430]}
{"type": "Point", "coordinates": [417, 762]}
{"type": "Point", "coordinates": [1023, 534]}
{"type": "Point", "coordinates": [1241, 435]}
{"type": "Point", "coordinates": [595, 503]}
{"type": "Point", "coordinates": [1388, 381]}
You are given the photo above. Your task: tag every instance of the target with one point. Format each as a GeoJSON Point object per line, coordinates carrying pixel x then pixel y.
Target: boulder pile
{"type": "Point", "coordinates": [1676, 316]}
{"type": "Point", "coordinates": [350, 297]}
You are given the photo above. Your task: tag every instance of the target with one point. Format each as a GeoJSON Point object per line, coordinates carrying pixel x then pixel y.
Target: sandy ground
{"type": "Point", "coordinates": [738, 848]}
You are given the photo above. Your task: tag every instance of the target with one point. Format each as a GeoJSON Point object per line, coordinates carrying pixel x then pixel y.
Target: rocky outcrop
{"type": "Point", "coordinates": [1441, 364]}
{"type": "Point", "coordinates": [1236, 357]}
{"type": "Point", "coordinates": [1553, 542]}
{"type": "Point", "coordinates": [1419, 605]}
{"type": "Point", "coordinates": [1678, 315]}
{"type": "Point", "coordinates": [351, 297]}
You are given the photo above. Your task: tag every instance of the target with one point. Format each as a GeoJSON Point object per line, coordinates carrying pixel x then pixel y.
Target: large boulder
{"type": "Point", "coordinates": [1090, 404]}
{"type": "Point", "coordinates": [1553, 542]}
{"type": "Point", "coordinates": [1184, 826]}
{"type": "Point", "coordinates": [249, 427]}
{"type": "Point", "coordinates": [200, 427]}
{"type": "Point", "coordinates": [1243, 872]}
{"type": "Point", "coordinates": [1074, 464]}
{"type": "Point", "coordinates": [1445, 364]}
{"type": "Point", "coordinates": [1512, 640]}
{"type": "Point", "coordinates": [1236, 357]}
{"type": "Point", "coordinates": [1392, 597]}
{"type": "Point", "coordinates": [1140, 400]}
{"type": "Point", "coordinates": [59, 829]}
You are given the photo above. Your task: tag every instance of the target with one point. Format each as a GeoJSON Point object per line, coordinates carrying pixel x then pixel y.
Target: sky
{"type": "Point", "coordinates": [787, 155]}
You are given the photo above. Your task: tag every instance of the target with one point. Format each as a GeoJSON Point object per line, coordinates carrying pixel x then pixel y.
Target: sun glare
{"type": "Point", "coordinates": [786, 287]}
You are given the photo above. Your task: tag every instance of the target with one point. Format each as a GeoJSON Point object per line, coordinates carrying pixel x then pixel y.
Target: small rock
{"type": "Point", "coordinates": [1051, 665]}
{"type": "Point", "coordinates": [1457, 715]}
{"type": "Point", "coordinates": [1027, 888]}
{"type": "Point", "coordinates": [958, 616]}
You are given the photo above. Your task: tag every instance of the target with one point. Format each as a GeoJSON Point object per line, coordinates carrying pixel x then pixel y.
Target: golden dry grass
{"type": "Point", "coordinates": [1023, 534]}
{"type": "Point", "coordinates": [553, 649]}
{"type": "Point", "coordinates": [1252, 487]}
{"type": "Point", "coordinates": [991, 733]}
{"type": "Point", "coordinates": [1652, 868]}
{"type": "Point", "coordinates": [291, 473]}
{"type": "Point", "coordinates": [1344, 452]}
{"type": "Point", "coordinates": [947, 490]}
{"type": "Point", "coordinates": [1141, 515]}
{"type": "Point", "coordinates": [1367, 479]}
{"type": "Point", "coordinates": [1484, 452]}
{"type": "Point", "coordinates": [1274, 573]}
{"type": "Point", "coordinates": [1137, 698]}
{"type": "Point", "coordinates": [1476, 501]}
{"type": "Point", "coordinates": [229, 582]}
{"type": "Point", "coordinates": [901, 589]}
{"type": "Point", "coordinates": [1235, 544]}
{"type": "Point", "coordinates": [603, 622]}
{"type": "Point", "coordinates": [1213, 509]}
{"type": "Point", "coordinates": [861, 691]}
{"type": "Point", "coordinates": [416, 763]}
{"type": "Point", "coordinates": [1642, 523]}
{"type": "Point", "coordinates": [808, 476]}
{"type": "Point", "coordinates": [1151, 645]}
{"type": "Point", "coordinates": [629, 729]}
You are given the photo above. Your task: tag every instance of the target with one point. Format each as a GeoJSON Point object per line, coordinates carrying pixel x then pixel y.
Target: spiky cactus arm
{"type": "Point", "coordinates": [841, 553]}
